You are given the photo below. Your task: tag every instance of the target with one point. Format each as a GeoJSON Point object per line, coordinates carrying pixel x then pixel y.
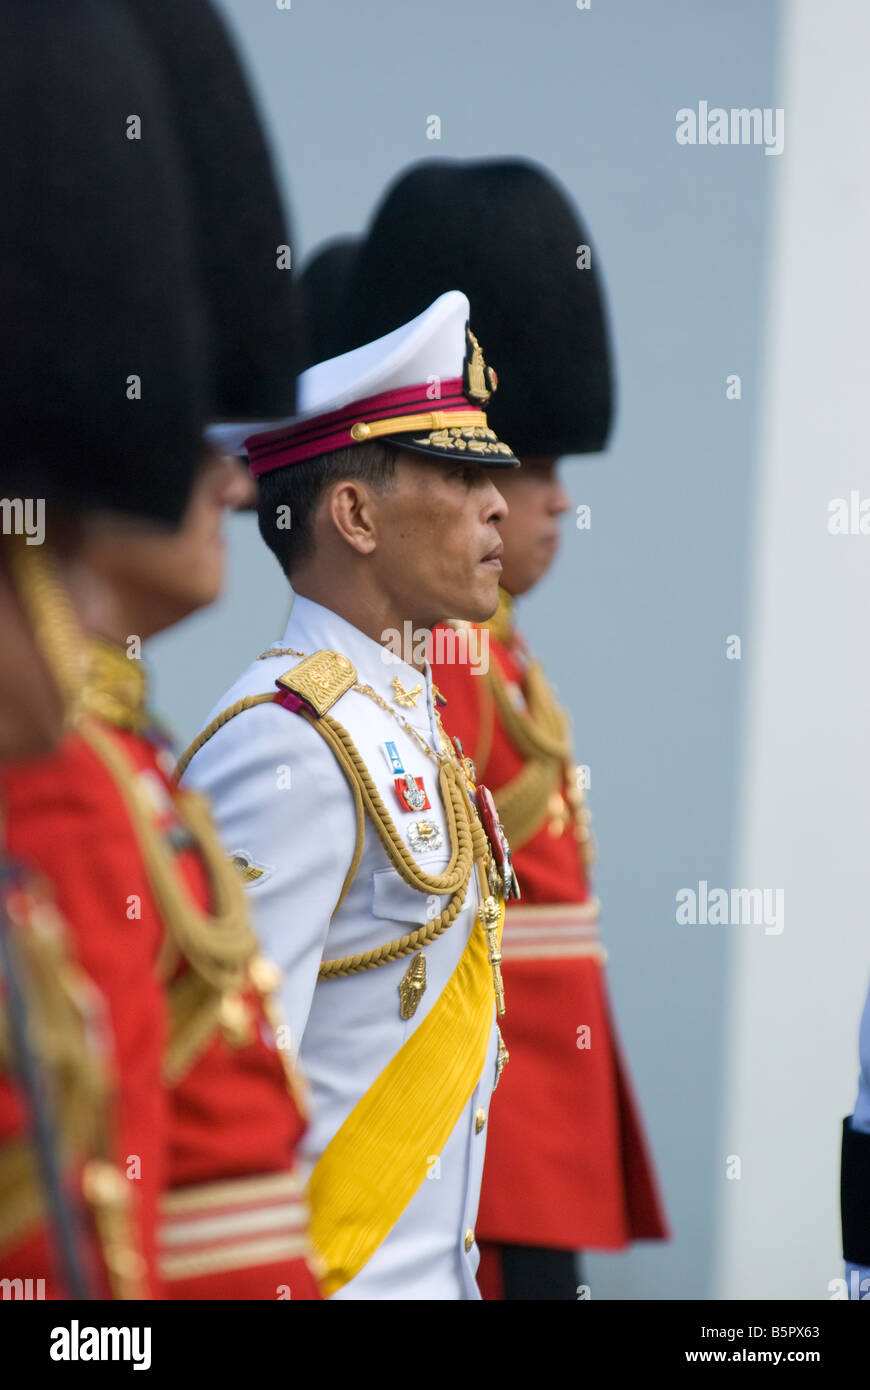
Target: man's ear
{"type": "Point", "coordinates": [350, 508]}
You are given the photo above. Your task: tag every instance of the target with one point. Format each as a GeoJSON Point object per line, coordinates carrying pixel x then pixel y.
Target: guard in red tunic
{"type": "Point", "coordinates": [567, 1166]}
{"type": "Point", "coordinates": [567, 1163]}
{"type": "Point", "coordinates": [123, 1172]}
{"type": "Point", "coordinates": [209, 1111]}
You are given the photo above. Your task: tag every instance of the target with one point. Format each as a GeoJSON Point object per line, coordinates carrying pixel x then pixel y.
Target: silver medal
{"type": "Point", "coordinates": [423, 835]}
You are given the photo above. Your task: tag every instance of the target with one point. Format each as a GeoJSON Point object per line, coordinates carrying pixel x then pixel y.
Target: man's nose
{"type": "Point", "coordinates": [497, 507]}
{"type": "Point", "coordinates": [239, 488]}
{"type": "Point", "coordinates": [560, 502]}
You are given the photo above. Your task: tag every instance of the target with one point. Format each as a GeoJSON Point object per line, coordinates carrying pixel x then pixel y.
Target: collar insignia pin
{"type": "Point", "coordinates": [406, 698]}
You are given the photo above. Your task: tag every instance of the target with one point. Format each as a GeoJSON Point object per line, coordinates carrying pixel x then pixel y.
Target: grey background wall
{"type": "Point", "coordinates": [634, 618]}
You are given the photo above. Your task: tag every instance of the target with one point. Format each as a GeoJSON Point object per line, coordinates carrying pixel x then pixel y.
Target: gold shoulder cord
{"type": "Point", "coordinates": [59, 997]}
{"type": "Point", "coordinates": [468, 842]}
{"type": "Point", "coordinates": [219, 945]}
{"type": "Point", "coordinates": [248, 702]}
{"type": "Point", "coordinates": [541, 732]}
{"type": "Point", "coordinates": [541, 735]}
{"type": "Point", "coordinates": [49, 611]}
{"type": "Point", "coordinates": [468, 845]}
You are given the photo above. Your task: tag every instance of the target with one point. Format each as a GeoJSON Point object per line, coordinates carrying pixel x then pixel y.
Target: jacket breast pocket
{"type": "Point", "coordinates": [395, 900]}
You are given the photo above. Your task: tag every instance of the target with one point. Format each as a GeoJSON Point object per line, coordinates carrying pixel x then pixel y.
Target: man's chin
{"type": "Point", "coordinates": [479, 601]}
{"type": "Point", "coordinates": [519, 584]}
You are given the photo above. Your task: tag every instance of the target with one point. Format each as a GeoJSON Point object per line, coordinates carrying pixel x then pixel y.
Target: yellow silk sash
{"type": "Point", "coordinates": [380, 1156]}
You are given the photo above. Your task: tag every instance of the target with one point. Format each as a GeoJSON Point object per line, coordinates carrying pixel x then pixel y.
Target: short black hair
{"type": "Point", "coordinates": [288, 497]}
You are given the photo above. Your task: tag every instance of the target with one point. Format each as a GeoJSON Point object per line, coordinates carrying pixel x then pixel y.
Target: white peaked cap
{"type": "Point", "coordinates": [421, 387]}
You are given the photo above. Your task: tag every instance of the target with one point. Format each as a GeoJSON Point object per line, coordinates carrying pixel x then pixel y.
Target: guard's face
{"type": "Point", "coordinates": [438, 542]}
{"type": "Point", "coordinates": [531, 533]}
{"type": "Point", "coordinates": [158, 577]}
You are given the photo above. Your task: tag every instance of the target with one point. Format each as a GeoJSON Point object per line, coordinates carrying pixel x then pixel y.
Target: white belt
{"type": "Point", "coordinates": [552, 931]}
{"type": "Point", "coordinates": [214, 1227]}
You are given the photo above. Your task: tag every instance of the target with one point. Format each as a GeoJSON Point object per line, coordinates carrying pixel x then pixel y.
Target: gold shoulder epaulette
{"type": "Point", "coordinates": [320, 679]}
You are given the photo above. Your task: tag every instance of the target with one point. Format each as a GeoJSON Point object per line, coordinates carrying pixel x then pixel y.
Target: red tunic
{"type": "Point", "coordinates": [27, 1256]}
{"type": "Point", "coordinates": [229, 1119]}
{"type": "Point", "coordinates": [567, 1163]}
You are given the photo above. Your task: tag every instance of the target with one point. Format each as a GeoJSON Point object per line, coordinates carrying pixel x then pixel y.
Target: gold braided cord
{"type": "Point", "coordinates": [280, 651]}
{"type": "Point", "coordinates": [22, 1204]}
{"type": "Point", "coordinates": [466, 835]}
{"type": "Point", "coordinates": [84, 1113]}
{"type": "Point", "coordinates": [359, 843]}
{"type": "Point", "coordinates": [370, 692]}
{"type": "Point", "coordinates": [463, 831]}
{"type": "Point", "coordinates": [266, 979]}
{"type": "Point", "coordinates": [539, 731]}
{"type": "Point", "coordinates": [218, 945]}
{"type": "Point", "coordinates": [462, 823]}
{"type": "Point", "coordinates": [393, 950]}
{"type": "Point", "coordinates": [108, 1193]}
{"type": "Point", "coordinates": [63, 1023]}
{"type": "Point", "coordinates": [194, 1018]}
{"type": "Point", "coordinates": [247, 702]}
{"type": "Point", "coordinates": [524, 802]}
{"type": "Point", "coordinates": [115, 688]}
{"type": "Point", "coordinates": [50, 613]}
{"type": "Point", "coordinates": [501, 624]}
{"type": "Point", "coordinates": [541, 734]}
{"type": "Point", "coordinates": [468, 842]}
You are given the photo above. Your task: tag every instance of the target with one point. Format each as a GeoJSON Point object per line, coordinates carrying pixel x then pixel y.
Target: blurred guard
{"type": "Point", "coordinates": [375, 867]}
{"type": "Point", "coordinates": [855, 1176]}
{"type": "Point", "coordinates": [126, 288]}
{"type": "Point", "coordinates": [567, 1161]}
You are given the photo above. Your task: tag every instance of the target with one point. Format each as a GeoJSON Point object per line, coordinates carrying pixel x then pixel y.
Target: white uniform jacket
{"type": "Point", "coordinates": [281, 800]}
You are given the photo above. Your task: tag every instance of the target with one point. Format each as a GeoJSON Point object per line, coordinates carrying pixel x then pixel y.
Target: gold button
{"type": "Point", "coordinates": [479, 1121]}
{"type": "Point", "coordinates": [469, 1239]}
{"type": "Point", "coordinates": [236, 1022]}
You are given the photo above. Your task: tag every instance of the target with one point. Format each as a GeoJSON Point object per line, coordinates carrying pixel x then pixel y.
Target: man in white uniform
{"type": "Point", "coordinates": [352, 817]}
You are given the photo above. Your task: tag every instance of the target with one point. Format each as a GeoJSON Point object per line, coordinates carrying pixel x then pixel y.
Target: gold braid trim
{"type": "Point", "coordinates": [468, 841]}
{"type": "Point", "coordinates": [50, 613]}
{"type": "Point", "coordinates": [266, 978]}
{"type": "Point", "coordinates": [116, 688]}
{"type": "Point", "coordinates": [523, 802]}
{"type": "Point", "coordinates": [248, 702]}
{"type": "Point", "coordinates": [541, 734]}
{"type": "Point", "coordinates": [217, 945]}
{"type": "Point", "coordinates": [542, 731]}
{"type": "Point", "coordinates": [468, 844]}
{"type": "Point", "coordinates": [194, 1017]}
{"type": "Point", "coordinates": [21, 1200]}
{"type": "Point", "coordinates": [63, 1023]}
{"type": "Point", "coordinates": [63, 1009]}
{"type": "Point", "coordinates": [467, 838]}
{"type": "Point", "coordinates": [220, 948]}
{"type": "Point", "coordinates": [107, 1192]}
{"type": "Point", "coordinates": [466, 835]}
{"type": "Point", "coordinates": [61, 1017]}
{"type": "Point", "coordinates": [358, 845]}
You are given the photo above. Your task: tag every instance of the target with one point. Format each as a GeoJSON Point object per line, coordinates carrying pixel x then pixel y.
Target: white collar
{"type": "Point", "coordinates": [313, 627]}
